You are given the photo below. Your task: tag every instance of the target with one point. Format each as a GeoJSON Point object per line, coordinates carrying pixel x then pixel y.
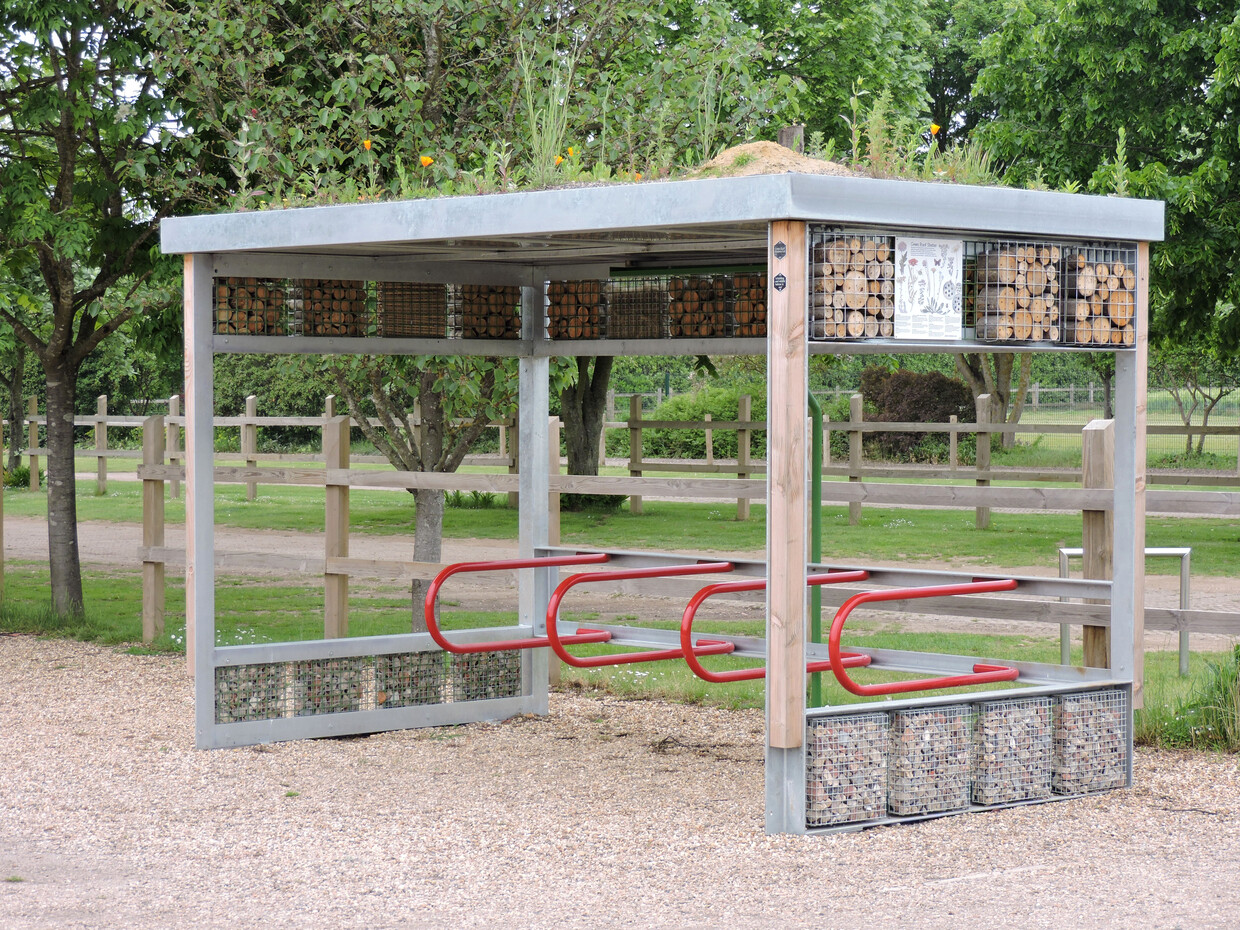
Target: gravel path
{"type": "Point", "coordinates": [603, 814]}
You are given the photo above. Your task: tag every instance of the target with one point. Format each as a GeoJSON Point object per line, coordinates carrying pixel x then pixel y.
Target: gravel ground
{"type": "Point", "coordinates": [603, 814]}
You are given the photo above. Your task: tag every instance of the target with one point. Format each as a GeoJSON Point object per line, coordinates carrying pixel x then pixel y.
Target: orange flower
{"type": "Point", "coordinates": [366, 144]}
{"type": "Point", "coordinates": [638, 176]}
{"type": "Point", "coordinates": [934, 129]}
{"type": "Point", "coordinates": [570, 151]}
{"type": "Point", "coordinates": [427, 161]}
{"type": "Point", "coordinates": [558, 160]}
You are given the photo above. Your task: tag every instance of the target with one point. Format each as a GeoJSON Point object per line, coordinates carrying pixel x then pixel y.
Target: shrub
{"type": "Point", "coordinates": [1210, 718]}
{"type": "Point", "coordinates": [721, 404]}
{"type": "Point", "coordinates": [903, 396]}
{"type": "Point", "coordinates": [19, 477]}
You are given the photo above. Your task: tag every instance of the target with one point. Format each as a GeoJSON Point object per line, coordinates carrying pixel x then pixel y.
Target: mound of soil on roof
{"type": "Point", "coordinates": [767, 158]}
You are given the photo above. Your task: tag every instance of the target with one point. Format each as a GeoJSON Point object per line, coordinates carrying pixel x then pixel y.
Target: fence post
{"type": "Point", "coordinates": [855, 415]}
{"type": "Point", "coordinates": [32, 435]}
{"type": "Point", "coordinates": [101, 445]}
{"type": "Point", "coordinates": [553, 497]}
{"type": "Point", "coordinates": [982, 517]}
{"type": "Point", "coordinates": [172, 444]}
{"type": "Point", "coordinates": [1097, 529]}
{"type": "Point", "coordinates": [514, 467]}
{"type": "Point", "coordinates": [953, 444]}
{"type": "Point", "coordinates": [1036, 388]}
{"type": "Point", "coordinates": [152, 531]}
{"type": "Point", "coordinates": [635, 448]}
{"type": "Point", "coordinates": [336, 527]}
{"type": "Point", "coordinates": [249, 444]}
{"type": "Point", "coordinates": [744, 413]}
{"type": "Point", "coordinates": [710, 441]}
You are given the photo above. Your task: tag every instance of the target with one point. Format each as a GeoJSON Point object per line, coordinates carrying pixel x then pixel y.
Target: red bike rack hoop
{"type": "Point", "coordinates": [850, 659]}
{"type": "Point", "coordinates": [981, 673]}
{"type": "Point", "coordinates": [501, 645]}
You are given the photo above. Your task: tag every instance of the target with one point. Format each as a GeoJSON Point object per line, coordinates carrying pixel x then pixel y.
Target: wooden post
{"type": "Point", "coordinates": [336, 527]}
{"type": "Point", "coordinates": [514, 468]}
{"type": "Point", "coordinates": [744, 436]}
{"type": "Point", "coordinates": [1097, 536]}
{"type": "Point", "coordinates": [787, 477]}
{"type": "Point", "coordinates": [856, 414]}
{"type": "Point", "coordinates": [101, 445]}
{"type": "Point", "coordinates": [792, 137]}
{"type": "Point", "coordinates": [710, 441]}
{"type": "Point", "coordinates": [152, 531]}
{"type": "Point", "coordinates": [172, 444]}
{"type": "Point", "coordinates": [553, 497]}
{"type": "Point", "coordinates": [32, 411]}
{"type": "Point", "coordinates": [953, 444]}
{"type": "Point", "coordinates": [826, 438]}
{"type": "Point", "coordinates": [329, 406]}
{"type": "Point", "coordinates": [249, 444]}
{"type": "Point", "coordinates": [635, 448]}
{"type": "Point", "coordinates": [982, 520]}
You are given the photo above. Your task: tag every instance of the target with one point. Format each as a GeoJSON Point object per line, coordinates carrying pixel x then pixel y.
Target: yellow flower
{"type": "Point", "coordinates": [638, 176]}
{"type": "Point", "coordinates": [934, 129]}
{"type": "Point", "coordinates": [570, 151]}
{"type": "Point", "coordinates": [427, 161]}
{"type": "Point", "coordinates": [558, 160]}
{"type": "Point", "coordinates": [366, 144]}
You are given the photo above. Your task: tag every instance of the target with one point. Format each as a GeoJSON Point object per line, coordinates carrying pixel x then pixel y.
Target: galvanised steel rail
{"type": "Point", "coordinates": [850, 659]}
{"type": "Point", "coordinates": [981, 673]}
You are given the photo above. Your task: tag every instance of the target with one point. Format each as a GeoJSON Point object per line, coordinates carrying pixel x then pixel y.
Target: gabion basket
{"type": "Point", "coordinates": [332, 308]}
{"type": "Point", "coordinates": [1090, 742]}
{"type": "Point", "coordinates": [489, 311]}
{"type": "Point", "coordinates": [327, 686]}
{"type": "Point", "coordinates": [482, 676]}
{"type": "Point", "coordinates": [250, 306]}
{"type": "Point", "coordinates": [749, 303]}
{"type": "Point", "coordinates": [1014, 290]}
{"type": "Point", "coordinates": [852, 286]}
{"type": "Point", "coordinates": [249, 692]}
{"type": "Point", "coordinates": [576, 309]}
{"type": "Point", "coordinates": [700, 306]}
{"type": "Point", "coordinates": [411, 678]}
{"type": "Point", "coordinates": [415, 310]}
{"type": "Point", "coordinates": [846, 769]}
{"type": "Point", "coordinates": [1012, 751]}
{"type": "Point", "coordinates": [1100, 284]}
{"type": "Point", "coordinates": [929, 769]}
{"type": "Point", "coordinates": [636, 308]}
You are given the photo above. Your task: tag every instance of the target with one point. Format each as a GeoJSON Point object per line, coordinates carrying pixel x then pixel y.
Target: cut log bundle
{"type": "Point", "coordinates": [412, 309]}
{"type": "Point", "coordinates": [1101, 299]}
{"type": "Point", "coordinates": [333, 308]}
{"type": "Point", "coordinates": [1018, 293]}
{"type": "Point", "coordinates": [852, 288]}
{"type": "Point", "coordinates": [698, 306]}
{"type": "Point", "coordinates": [575, 309]}
{"type": "Point", "coordinates": [750, 306]}
{"type": "Point", "coordinates": [253, 306]}
{"type": "Point", "coordinates": [490, 311]}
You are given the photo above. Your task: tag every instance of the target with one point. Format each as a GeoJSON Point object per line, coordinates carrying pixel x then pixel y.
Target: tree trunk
{"type": "Point", "coordinates": [1022, 390]}
{"type": "Point", "coordinates": [62, 539]}
{"type": "Point", "coordinates": [582, 407]}
{"type": "Point", "coordinates": [427, 544]}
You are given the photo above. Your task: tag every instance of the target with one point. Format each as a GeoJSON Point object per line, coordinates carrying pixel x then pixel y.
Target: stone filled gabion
{"type": "Point", "coordinates": [846, 769]}
{"type": "Point", "coordinates": [248, 692]}
{"type": "Point", "coordinates": [929, 760]}
{"type": "Point", "coordinates": [328, 686]}
{"type": "Point", "coordinates": [482, 676]}
{"type": "Point", "coordinates": [1091, 742]}
{"type": "Point", "coordinates": [1012, 751]}
{"type": "Point", "coordinates": [405, 679]}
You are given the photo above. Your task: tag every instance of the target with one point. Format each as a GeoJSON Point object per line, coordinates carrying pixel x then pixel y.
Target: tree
{"type": "Point", "coordinates": [959, 28]}
{"type": "Point", "coordinates": [82, 188]}
{"type": "Point", "coordinates": [992, 374]}
{"type": "Point", "coordinates": [583, 404]}
{"type": "Point", "coordinates": [1198, 375]}
{"type": "Point", "coordinates": [1138, 99]}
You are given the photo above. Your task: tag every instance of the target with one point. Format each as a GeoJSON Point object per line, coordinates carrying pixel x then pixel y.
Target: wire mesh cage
{"type": "Point", "coordinates": [251, 306]}
{"type": "Point", "coordinates": [488, 311]}
{"type": "Point", "coordinates": [637, 307]}
{"type": "Point", "coordinates": [410, 678]}
{"type": "Point", "coordinates": [331, 307]}
{"type": "Point", "coordinates": [929, 768]}
{"type": "Point", "coordinates": [852, 285]}
{"type": "Point", "coordinates": [700, 306]}
{"type": "Point", "coordinates": [408, 309]}
{"type": "Point", "coordinates": [482, 676]}
{"type": "Point", "coordinates": [249, 692]}
{"type": "Point", "coordinates": [576, 309]}
{"type": "Point", "coordinates": [328, 686]}
{"type": "Point", "coordinates": [1100, 284]}
{"type": "Point", "coordinates": [1090, 742]}
{"type": "Point", "coordinates": [846, 769]}
{"type": "Point", "coordinates": [1014, 290]}
{"type": "Point", "coordinates": [1012, 751]}
{"type": "Point", "coordinates": [749, 303]}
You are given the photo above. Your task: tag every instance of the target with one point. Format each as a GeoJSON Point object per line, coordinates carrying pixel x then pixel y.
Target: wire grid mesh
{"type": "Point", "coordinates": [1090, 742]}
{"type": "Point", "coordinates": [482, 676]}
{"type": "Point", "coordinates": [852, 285]}
{"type": "Point", "coordinates": [1012, 751]}
{"type": "Point", "coordinates": [1100, 284]}
{"type": "Point", "coordinates": [929, 766]}
{"type": "Point", "coordinates": [637, 307]}
{"type": "Point", "coordinates": [846, 769]}
{"type": "Point", "coordinates": [331, 307]}
{"type": "Point", "coordinates": [488, 311]}
{"type": "Point", "coordinates": [251, 306]}
{"type": "Point", "coordinates": [328, 686]}
{"type": "Point", "coordinates": [576, 309]}
{"type": "Point", "coordinates": [700, 306]}
{"type": "Point", "coordinates": [1014, 290]}
{"type": "Point", "coordinates": [249, 692]}
{"type": "Point", "coordinates": [412, 309]}
{"type": "Point", "coordinates": [749, 304]}
{"type": "Point", "coordinates": [409, 678]}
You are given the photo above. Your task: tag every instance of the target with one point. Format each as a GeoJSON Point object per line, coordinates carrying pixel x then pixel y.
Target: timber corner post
{"type": "Point", "coordinates": [787, 538]}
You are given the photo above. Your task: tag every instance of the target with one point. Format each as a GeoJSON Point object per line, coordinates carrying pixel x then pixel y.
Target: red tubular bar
{"type": "Point", "coordinates": [533, 642]}
{"type": "Point", "coordinates": [629, 658]}
{"type": "Point", "coordinates": [981, 673]}
{"type": "Point", "coordinates": [850, 659]}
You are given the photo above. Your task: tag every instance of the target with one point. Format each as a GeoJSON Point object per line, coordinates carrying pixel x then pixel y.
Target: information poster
{"type": "Point", "coordinates": [929, 285]}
